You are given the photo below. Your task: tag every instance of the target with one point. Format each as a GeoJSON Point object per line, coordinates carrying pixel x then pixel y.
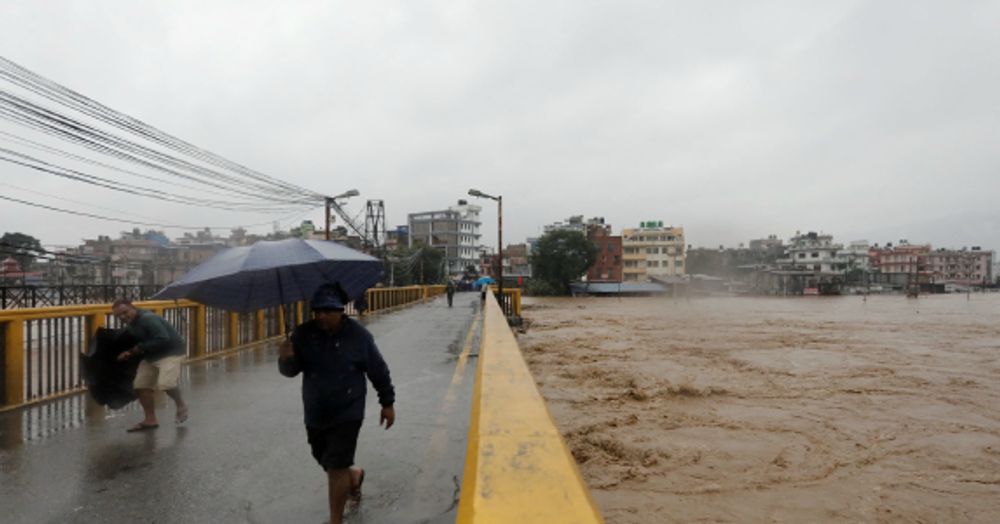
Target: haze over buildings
{"type": "Point", "coordinates": [866, 119]}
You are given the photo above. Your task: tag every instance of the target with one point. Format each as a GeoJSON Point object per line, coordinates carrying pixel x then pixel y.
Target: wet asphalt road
{"type": "Point", "coordinates": [242, 456]}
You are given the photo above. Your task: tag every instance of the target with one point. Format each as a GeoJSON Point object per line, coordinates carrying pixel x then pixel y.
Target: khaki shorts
{"type": "Point", "coordinates": [162, 374]}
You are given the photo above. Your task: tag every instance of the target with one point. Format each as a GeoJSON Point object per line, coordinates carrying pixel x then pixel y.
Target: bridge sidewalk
{"type": "Point", "coordinates": [243, 456]}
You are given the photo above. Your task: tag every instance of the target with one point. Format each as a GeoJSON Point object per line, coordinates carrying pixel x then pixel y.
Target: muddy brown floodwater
{"type": "Point", "coordinates": [777, 409]}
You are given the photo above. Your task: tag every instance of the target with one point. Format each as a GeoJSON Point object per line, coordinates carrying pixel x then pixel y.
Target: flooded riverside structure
{"type": "Point", "coordinates": [813, 263]}
{"type": "Point", "coordinates": [789, 409]}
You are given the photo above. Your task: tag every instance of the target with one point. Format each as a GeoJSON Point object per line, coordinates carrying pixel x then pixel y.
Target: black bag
{"type": "Point", "coordinates": [109, 381]}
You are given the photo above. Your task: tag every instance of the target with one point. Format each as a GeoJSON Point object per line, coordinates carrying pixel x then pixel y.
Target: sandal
{"type": "Point", "coordinates": [142, 426]}
{"type": "Point", "coordinates": [182, 416]}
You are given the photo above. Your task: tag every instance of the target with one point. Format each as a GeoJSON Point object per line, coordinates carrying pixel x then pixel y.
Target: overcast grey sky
{"type": "Point", "coordinates": [875, 120]}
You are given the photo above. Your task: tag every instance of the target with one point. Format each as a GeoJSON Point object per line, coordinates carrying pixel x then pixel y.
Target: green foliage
{"type": "Point", "coordinates": [561, 257]}
{"type": "Point", "coordinates": [540, 288]}
{"type": "Point", "coordinates": [24, 248]}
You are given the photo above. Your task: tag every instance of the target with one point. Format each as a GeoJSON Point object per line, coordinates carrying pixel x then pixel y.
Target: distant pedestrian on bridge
{"type": "Point", "coordinates": [450, 290]}
{"type": "Point", "coordinates": [161, 351]}
{"type": "Point", "coordinates": [334, 353]}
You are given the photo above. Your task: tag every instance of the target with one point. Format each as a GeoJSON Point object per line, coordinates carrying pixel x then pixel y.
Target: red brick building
{"type": "Point", "coordinates": [608, 265]}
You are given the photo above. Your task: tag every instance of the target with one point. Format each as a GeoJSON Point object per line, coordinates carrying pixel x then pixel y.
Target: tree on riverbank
{"type": "Point", "coordinates": [561, 257]}
{"type": "Point", "coordinates": [23, 248]}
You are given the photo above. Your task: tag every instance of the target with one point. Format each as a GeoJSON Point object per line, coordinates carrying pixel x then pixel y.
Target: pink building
{"type": "Point", "coordinates": [904, 258]}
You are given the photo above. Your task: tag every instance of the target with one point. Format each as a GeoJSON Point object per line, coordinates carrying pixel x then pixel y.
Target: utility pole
{"type": "Point", "coordinates": [499, 201]}
{"type": "Point", "coordinates": [331, 202]}
{"type": "Point", "coordinates": [500, 246]}
{"type": "Point", "coordinates": [327, 215]}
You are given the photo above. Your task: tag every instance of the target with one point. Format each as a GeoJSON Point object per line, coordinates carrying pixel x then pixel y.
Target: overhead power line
{"type": "Point", "coordinates": [176, 164]}
{"type": "Point", "coordinates": [55, 92]}
{"type": "Point", "coordinates": [40, 165]}
{"type": "Point", "coordinates": [126, 221]}
{"type": "Point", "coordinates": [24, 112]}
{"type": "Point", "coordinates": [37, 146]}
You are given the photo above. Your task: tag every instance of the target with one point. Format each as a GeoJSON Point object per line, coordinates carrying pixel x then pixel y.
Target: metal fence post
{"type": "Point", "coordinates": [259, 326]}
{"type": "Point", "coordinates": [199, 331]}
{"type": "Point", "coordinates": [94, 322]}
{"type": "Point", "coordinates": [13, 362]}
{"type": "Point", "coordinates": [232, 330]}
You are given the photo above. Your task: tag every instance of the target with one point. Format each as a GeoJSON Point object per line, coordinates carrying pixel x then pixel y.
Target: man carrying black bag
{"type": "Point", "coordinates": [109, 380]}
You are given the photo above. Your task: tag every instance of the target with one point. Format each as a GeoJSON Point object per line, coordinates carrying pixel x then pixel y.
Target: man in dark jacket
{"type": "Point", "coordinates": [161, 351]}
{"type": "Point", "coordinates": [334, 353]}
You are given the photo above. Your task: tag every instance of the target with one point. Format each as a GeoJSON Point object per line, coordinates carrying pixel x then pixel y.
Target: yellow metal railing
{"type": "Point", "coordinates": [517, 466]}
{"type": "Point", "coordinates": [511, 302]}
{"type": "Point", "coordinates": [39, 347]}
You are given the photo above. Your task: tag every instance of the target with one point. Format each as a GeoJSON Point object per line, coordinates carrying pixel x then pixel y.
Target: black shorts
{"type": "Point", "coordinates": [333, 447]}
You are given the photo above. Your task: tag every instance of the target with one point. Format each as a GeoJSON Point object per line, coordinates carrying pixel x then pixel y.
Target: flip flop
{"type": "Point", "coordinates": [356, 492]}
{"type": "Point", "coordinates": [182, 416]}
{"type": "Point", "coordinates": [141, 427]}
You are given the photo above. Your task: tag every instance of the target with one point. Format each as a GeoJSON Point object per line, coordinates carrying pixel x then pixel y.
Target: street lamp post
{"type": "Point", "coordinates": [499, 200]}
{"type": "Point", "coordinates": [329, 204]}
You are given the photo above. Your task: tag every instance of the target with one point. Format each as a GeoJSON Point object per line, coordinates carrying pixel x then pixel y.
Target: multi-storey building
{"type": "Point", "coordinates": [137, 258]}
{"type": "Point", "coordinates": [487, 262]}
{"type": "Point", "coordinates": [454, 230]}
{"type": "Point", "coordinates": [772, 242]}
{"type": "Point", "coordinates": [607, 267]}
{"type": "Point", "coordinates": [964, 267]}
{"type": "Point", "coordinates": [573, 223]}
{"type": "Point", "coordinates": [653, 251]}
{"type": "Point", "coordinates": [904, 258]}
{"type": "Point", "coordinates": [515, 261]}
{"type": "Point", "coordinates": [853, 257]}
{"type": "Point", "coordinates": [814, 252]}
{"type": "Point", "coordinates": [397, 237]}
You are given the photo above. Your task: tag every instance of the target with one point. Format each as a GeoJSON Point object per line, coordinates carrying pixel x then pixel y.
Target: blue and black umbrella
{"type": "Point", "coordinates": [270, 273]}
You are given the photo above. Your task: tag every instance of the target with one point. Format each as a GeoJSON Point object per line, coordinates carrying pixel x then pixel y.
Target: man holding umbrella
{"type": "Point", "coordinates": [334, 353]}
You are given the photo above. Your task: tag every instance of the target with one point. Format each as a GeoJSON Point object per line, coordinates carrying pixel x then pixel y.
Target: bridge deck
{"type": "Point", "coordinates": [242, 456]}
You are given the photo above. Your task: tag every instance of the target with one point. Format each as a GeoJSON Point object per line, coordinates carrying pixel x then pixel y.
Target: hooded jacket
{"type": "Point", "coordinates": [333, 371]}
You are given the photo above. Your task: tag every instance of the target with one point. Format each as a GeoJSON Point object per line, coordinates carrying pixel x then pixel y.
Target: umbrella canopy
{"type": "Point", "coordinates": [270, 273]}
{"type": "Point", "coordinates": [484, 281]}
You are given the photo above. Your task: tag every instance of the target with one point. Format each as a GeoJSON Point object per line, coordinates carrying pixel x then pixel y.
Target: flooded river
{"type": "Point", "coordinates": [812, 409]}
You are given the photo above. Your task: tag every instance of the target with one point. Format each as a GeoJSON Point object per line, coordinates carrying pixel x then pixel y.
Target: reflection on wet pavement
{"type": "Point", "coordinates": [242, 455]}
